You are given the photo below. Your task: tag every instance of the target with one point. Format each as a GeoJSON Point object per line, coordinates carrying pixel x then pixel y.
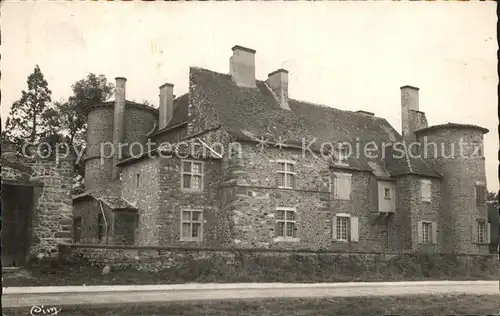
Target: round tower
{"type": "Point", "coordinates": [99, 167]}
{"type": "Point", "coordinates": [109, 125]}
{"type": "Point", "coordinates": [456, 151]}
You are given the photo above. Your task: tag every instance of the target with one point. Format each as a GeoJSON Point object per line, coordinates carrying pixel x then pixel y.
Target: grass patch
{"type": "Point", "coordinates": [401, 305]}
{"type": "Point", "coordinates": [258, 268]}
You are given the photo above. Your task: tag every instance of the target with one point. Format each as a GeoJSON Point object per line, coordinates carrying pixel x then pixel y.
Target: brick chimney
{"type": "Point", "coordinates": [412, 119]}
{"type": "Point", "coordinates": [242, 66]}
{"type": "Point", "coordinates": [166, 107]}
{"type": "Point", "coordinates": [278, 82]}
{"type": "Point", "coordinates": [118, 123]}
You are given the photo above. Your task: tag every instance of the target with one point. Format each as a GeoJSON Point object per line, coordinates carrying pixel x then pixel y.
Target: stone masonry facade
{"type": "Point", "coordinates": [264, 195]}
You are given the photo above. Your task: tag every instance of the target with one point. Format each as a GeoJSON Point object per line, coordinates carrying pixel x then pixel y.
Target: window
{"type": "Point", "coordinates": [342, 186]}
{"type": "Point", "coordinates": [387, 193]}
{"type": "Point", "coordinates": [191, 225]}
{"type": "Point", "coordinates": [137, 180]}
{"type": "Point", "coordinates": [427, 232]}
{"type": "Point", "coordinates": [476, 150]}
{"type": "Point", "coordinates": [286, 174]}
{"type": "Point", "coordinates": [480, 193]}
{"type": "Point", "coordinates": [326, 187]}
{"type": "Point", "coordinates": [286, 223]}
{"type": "Point", "coordinates": [101, 227]}
{"type": "Point", "coordinates": [345, 228]}
{"type": "Point", "coordinates": [425, 188]}
{"type": "Point", "coordinates": [341, 154]}
{"type": "Point", "coordinates": [482, 232]}
{"type": "Point", "coordinates": [192, 176]}
{"type": "Point", "coordinates": [77, 229]}
{"type": "Point", "coordinates": [342, 228]}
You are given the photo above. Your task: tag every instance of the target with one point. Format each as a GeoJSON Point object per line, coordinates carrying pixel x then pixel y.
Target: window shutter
{"type": "Point", "coordinates": [434, 233]}
{"type": "Point", "coordinates": [474, 235]}
{"type": "Point", "coordinates": [374, 193]}
{"type": "Point", "coordinates": [335, 188]}
{"type": "Point", "coordinates": [422, 189]}
{"type": "Point", "coordinates": [354, 229]}
{"type": "Point", "coordinates": [488, 233]}
{"type": "Point", "coordinates": [420, 238]}
{"type": "Point", "coordinates": [425, 189]}
{"type": "Point", "coordinates": [334, 227]}
{"type": "Point", "coordinates": [347, 186]}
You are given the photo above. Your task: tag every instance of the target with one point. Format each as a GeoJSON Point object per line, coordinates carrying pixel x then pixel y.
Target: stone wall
{"type": "Point", "coordinates": [88, 210]}
{"type": "Point", "coordinates": [173, 200]}
{"type": "Point", "coordinates": [253, 197]}
{"type": "Point", "coordinates": [182, 264]}
{"type": "Point", "coordinates": [460, 172]}
{"type": "Point", "coordinates": [144, 197]}
{"type": "Point", "coordinates": [52, 219]}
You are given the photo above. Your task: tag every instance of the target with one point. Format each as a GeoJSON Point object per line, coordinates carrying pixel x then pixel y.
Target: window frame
{"type": "Point", "coordinates": [476, 153]}
{"type": "Point", "coordinates": [387, 193]}
{"type": "Point", "coordinates": [347, 219]}
{"type": "Point", "coordinates": [482, 238]}
{"type": "Point", "coordinates": [285, 221]}
{"type": "Point", "coordinates": [191, 174]}
{"type": "Point", "coordinates": [428, 226]}
{"type": "Point", "coordinates": [287, 173]}
{"type": "Point", "coordinates": [341, 156]}
{"type": "Point", "coordinates": [191, 221]}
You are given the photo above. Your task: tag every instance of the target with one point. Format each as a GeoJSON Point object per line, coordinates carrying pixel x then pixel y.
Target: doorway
{"type": "Point", "coordinates": [17, 214]}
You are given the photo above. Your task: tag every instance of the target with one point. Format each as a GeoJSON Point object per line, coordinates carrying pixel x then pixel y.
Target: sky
{"type": "Point", "coordinates": [349, 55]}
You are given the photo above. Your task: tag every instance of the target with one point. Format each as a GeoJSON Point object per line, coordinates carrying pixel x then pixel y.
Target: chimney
{"type": "Point", "coordinates": [242, 66]}
{"type": "Point", "coordinates": [278, 82]}
{"type": "Point", "coordinates": [166, 104]}
{"type": "Point", "coordinates": [118, 123]}
{"type": "Point", "coordinates": [409, 101]}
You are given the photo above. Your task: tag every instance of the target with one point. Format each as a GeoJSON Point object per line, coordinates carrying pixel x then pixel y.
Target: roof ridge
{"type": "Point", "coordinates": [319, 105]}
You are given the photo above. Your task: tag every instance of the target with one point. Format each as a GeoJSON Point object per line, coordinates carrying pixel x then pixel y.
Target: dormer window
{"type": "Point", "coordinates": [341, 154]}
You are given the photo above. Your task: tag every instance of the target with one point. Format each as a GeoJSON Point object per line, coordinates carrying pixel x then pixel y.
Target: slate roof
{"type": "Point", "coordinates": [252, 113]}
{"type": "Point", "coordinates": [192, 148]}
{"type": "Point", "coordinates": [453, 125]}
{"type": "Point", "coordinates": [110, 194]}
{"type": "Point", "coordinates": [127, 104]}
{"type": "Point", "coordinates": [180, 114]}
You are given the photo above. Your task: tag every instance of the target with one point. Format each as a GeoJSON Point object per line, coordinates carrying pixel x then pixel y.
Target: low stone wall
{"type": "Point", "coordinates": [265, 265]}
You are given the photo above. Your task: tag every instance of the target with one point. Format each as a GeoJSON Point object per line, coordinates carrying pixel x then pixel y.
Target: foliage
{"type": "Point", "coordinates": [492, 197]}
{"type": "Point", "coordinates": [30, 117]}
{"type": "Point", "coordinates": [35, 118]}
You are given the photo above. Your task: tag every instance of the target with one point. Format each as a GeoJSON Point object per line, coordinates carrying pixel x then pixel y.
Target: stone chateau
{"type": "Point", "coordinates": [237, 162]}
